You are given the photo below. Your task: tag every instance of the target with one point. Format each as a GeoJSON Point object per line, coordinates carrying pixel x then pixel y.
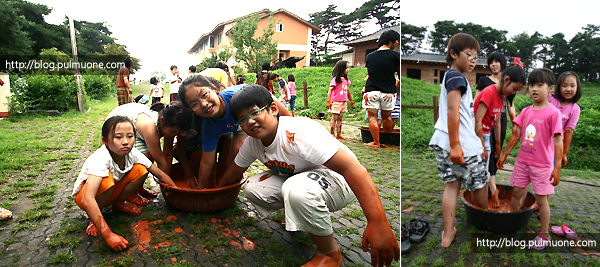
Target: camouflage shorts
{"type": "Point", "coordinates": [472, 174]}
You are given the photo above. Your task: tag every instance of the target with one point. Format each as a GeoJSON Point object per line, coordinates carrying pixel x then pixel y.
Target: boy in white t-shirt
{"type": "Point", "coordinates": [157, 90]}
{"type": "Point", "coordinates": [310, 174]}
{"type": "Point", "coordinates": [455, 144]}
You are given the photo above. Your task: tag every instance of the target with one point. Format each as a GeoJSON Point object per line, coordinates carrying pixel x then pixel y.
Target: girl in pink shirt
{"type": "Point", "coordinates": [338, 95]}
{"type": "Point", "coordinates": [566, 93]}
{"type": "Point", "coordinates": [292, 87]}
{"type": "Point", "coordinates": [541, 141]}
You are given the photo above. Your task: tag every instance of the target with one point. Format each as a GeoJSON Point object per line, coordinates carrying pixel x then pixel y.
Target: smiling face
{"type": "Point", "coordinates": [121, 140]}
{"type": "Point", "coordinates": [204, 102]}
{"type": "Point", "coordinates": [568, 88]}
{"type": "Point", "coordinates": [264, 126]}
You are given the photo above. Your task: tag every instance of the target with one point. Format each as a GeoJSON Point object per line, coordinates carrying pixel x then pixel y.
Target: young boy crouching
{"type": "Point", "coordinates": [310, 174]}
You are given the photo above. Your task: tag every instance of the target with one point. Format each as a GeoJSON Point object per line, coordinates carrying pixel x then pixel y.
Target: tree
{"type": "Point", "coordinates": [558, 52]}
{"type": "Point", "coordinates": [385, 12]}
{"type": "Point", "coordinates": [411, 37]}
{"type": "Point", "coordinates": [159, 74]}
{"type": "Point", "coordinates": [91, 37]}
{"type": "Point", "coordinates": [209, 62]}
{"type": "Point", "coordinates": [524, 46]}
{"type": "Point", "coordinates": [253, 51]}
{"type": "Point", "coordinates": [489, 38]}
{"type": "Point", "coordinates": [585, 53]}
{"type": "Point", "coordinates": [329, 21]}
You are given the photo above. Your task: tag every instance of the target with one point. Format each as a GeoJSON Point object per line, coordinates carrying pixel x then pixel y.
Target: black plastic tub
{"type": "Point", "coordinates": [499, 221]}
{"type": "Point", "coordinates": [392, 138]}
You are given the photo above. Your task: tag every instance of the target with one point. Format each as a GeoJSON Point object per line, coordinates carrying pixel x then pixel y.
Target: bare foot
{"type": "Point", "coordinates": [127, 207]}
{"type": "Point", "coordinates": [135, 198]}
{"type": "Point", "coordinates": [372, 144]}
{"type": "Point", "coordinates": [322, 260]}
{"type": "Point", "coordinates": [340, 137]}
{"type": "Point", "coordinates": [494, 200]}
{"type": "Point", "coordinates": [446, 238]}
{"type": "Point", "coordinates": [91, 230]}
{"type": "Point", "coordinates": [146, 193]}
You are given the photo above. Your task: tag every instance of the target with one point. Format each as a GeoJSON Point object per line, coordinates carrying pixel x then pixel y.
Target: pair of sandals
{"type": "Point", "coordinates": [414, 231]}
{"type": "Point", "coordinates": [562, 230]}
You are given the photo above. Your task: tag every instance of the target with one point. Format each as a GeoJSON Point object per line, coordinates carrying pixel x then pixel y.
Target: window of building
{"type": "Point", "coordinates": [219, 39]}
{"type": "Point", "coordinates": [211, 41]}
{"type": "Point", "coordinates": [435, 73]}
{"type": "Point", "coordinates": [279, 28]}
{"type": "Point", "coordinates": [413, 73]}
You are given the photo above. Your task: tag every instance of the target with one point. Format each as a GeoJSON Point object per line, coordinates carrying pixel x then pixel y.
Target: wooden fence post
{"type": "Point", "coordinates": [305, 94]}
{"type": "Point", "coordinates": [436, 110]}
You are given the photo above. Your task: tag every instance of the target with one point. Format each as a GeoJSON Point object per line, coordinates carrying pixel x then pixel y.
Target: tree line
{"type": "Point", "coordinates": [580, 54]}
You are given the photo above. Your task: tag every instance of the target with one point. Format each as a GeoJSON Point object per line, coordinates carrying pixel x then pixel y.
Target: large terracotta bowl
{"type": "Point", "coordinates": [499, 221]}
{"type": "Point", "coordinates": [197, 200]}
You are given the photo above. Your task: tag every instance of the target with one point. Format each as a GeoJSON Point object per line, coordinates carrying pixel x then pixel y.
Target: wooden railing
{"type": "Point", "coordinates": [435, 108]}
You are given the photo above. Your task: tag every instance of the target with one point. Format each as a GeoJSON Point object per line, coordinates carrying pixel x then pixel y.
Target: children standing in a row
{"type": "Point", "coordinates": [338, 95]}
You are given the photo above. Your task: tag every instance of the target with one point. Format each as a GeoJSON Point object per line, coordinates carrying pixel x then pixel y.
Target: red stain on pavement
{"type": "Point", "coordinates": [226, 232]}
{"type": "Point", "coordinates": [178, 230]}
{"type": "Point", "coordinates": [171, 217]}
{"type": "Point", "coordinates": [142, 234]}
{"type": "Point", "coordinates": [213, 220]}
{"type": "Point", "coordinates": [234, 233]}
{"type": "Point", "coordinates": [236, 244]}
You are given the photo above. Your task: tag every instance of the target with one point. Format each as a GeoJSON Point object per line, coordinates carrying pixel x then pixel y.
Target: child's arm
{"type": "Point", "coordinates": [514, 139]}
{"type": "Point", "coordinates": [287, 93]}
{"type": "Point", "coordinates": [378, 234]}
{"type": "Point", "coordinates": [207, 163]}
{"type": "Point", "coordinates": [328, 106]}
{"type": "Point", "coordinates": [162, 176]}
{"type": "Point", "coordinates": [90, 206]}
{"type": "Point", "coordinates": [232, 175]}
{"type": "Point", "coordinates": [512, 114]}
{"type": "Point", "coordinates": [350, 98]}
{"type": "Point", "coordinates": [146, 128]}
{"type": "Point", "coordinates": [188, 174]}
{"type": "Point", "coordinates": [558, 153]}
{"type": "Point", "coordinates": [498, 144]}
{"type": "Point", "coordinates": [481, 110]}
{"type": "Point", "coordinates": [566, 145]}
{"type": "Point", "coordinates": [456, 152]}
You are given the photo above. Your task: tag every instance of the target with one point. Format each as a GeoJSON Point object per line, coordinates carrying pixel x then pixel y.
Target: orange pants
{"type": "Point", "coordinates": [136, 173]}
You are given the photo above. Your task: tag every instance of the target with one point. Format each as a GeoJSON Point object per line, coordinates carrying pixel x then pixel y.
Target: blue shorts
{"type": "Point", "coordinates": [293, 103]}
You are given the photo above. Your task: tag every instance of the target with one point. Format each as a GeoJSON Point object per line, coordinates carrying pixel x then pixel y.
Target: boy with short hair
{"type": "Point", "coordinates": [457, 148]}
{"type": "Point", "coordinates": [174, 82]}
{"type": "Point", "coordinates": [310, 174]}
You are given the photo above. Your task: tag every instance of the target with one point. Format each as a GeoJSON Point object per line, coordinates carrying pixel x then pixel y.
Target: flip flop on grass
{"type": "Point", "coordinates": [563, 230]}
{"type": "Point", "coordinates": [5, 214]}
{"type": "Point", "coordinates": [405, 245]}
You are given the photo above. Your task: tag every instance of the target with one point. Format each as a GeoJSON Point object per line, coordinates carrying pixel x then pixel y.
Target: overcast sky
{"type": "Point", "coordinates": [160, 33]}
{"type": "Point", "coordinates": [548, 17]}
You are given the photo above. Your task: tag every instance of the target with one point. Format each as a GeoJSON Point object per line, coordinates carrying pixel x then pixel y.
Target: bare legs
{"type": "Point", "coordinates": [328, 252]}
{"type": "Point", "coordinates": [336, 125]}
{"type": "Point", "coordinates": [449, 208]}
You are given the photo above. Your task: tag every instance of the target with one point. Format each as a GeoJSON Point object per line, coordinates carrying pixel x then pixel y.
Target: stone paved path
{"type": "Point", "coordinates": [47, 229]}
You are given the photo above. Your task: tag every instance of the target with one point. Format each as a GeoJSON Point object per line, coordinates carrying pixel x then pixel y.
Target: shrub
{"type": "Point", "coordinates": [42, 92]}
{"type": "Point", "coordinates": [97, 86]}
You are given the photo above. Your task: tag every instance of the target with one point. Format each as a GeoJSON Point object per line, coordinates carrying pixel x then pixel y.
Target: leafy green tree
{"type": "Point", "coordinates": [114, 52]}
{"type": "Point", "coordinates": [91, 37]}
{"type": "Point", "coordinates": [558, 52]}
{"type": "Point", "coordinates": [250, 50]}
{"type": "Point", "coordinates": [385, 12]}
{"type": "Point", "coordinates": [489, 38]}
{"type": "Point", "coordinates": [329, 21]}
{"type": "Point", "coordinates": [209, 62]}
{"type": "Point", "coordinates": [159, 74]}
{"type": "Point", "coordinates": [411, 37]}
{"type": "Point", "coordinates": [585, 53]}
{"type": "Point", "coordinates": [524, 46]}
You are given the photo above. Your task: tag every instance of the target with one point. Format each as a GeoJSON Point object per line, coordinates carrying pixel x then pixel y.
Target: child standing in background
{"type": "Point", "coordinates": [284, 92]}
{"type": "Point", "coordinates": [338, 95]}
{"type": "Point", "coordinates": [565, 96]}
{"type": "Point", "coordinates": [292, 87]}
{"type": "Point", "coordinates": [111, 175]}
{"type": "Point", "coordinates": [456, 146]}
{"type": "Point", "coordinates": [542, 124]}
{"type": "Point", "coordinates": [157, 90]}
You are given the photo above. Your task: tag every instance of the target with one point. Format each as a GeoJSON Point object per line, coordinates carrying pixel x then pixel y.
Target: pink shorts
{"type": "Point", "coordinates": [538, 176]}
